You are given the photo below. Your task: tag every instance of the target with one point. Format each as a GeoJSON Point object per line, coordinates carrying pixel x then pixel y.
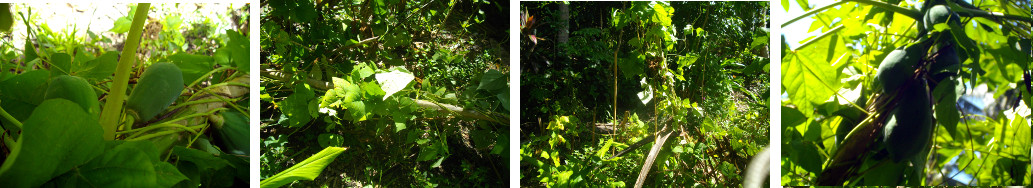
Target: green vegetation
{"type": "Point", "coordinates": [891, 93]}
{"type": "Point", "coordinates": [389, 93]}
{"type": "Point", "coordinates": [61, 97]}
{"type": "Point", "coordinates": [601, 81]}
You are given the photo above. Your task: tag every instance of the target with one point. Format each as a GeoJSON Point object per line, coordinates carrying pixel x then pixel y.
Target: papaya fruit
{"type": "Point", "coordinates": [940, 14]}
{"type": "Point", "coordinates": [908, 130]}
{"type": "Point", "coordinates": [74, 89]}
{"type": "Point", "coordinates": [157, 88]}
{"type": "Point", "coordinates": [898, 66]}
{"type": "Point", "coordinates": [945, 64]}
{"type": "Point", "coordinates": [233, 132]}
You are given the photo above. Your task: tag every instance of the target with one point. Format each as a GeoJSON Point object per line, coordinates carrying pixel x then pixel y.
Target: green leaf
{"type": "Point", "coordinates": [129, 164]}
{"type": "Point", "coordinates": [947, 94]}
{"type": "Point", "coordinates": [808, 81]}
{"type": "Point", "coordinates": [305, 170]}
{"type": "Point", "coordinates": [167, 174]}
{"type": "Point", "coordinates": [56, 138]}
{"type": "Point", "coordinates": [27, 87]}
{"type": "Point", "coordinates": [330, 140]}
{"type": "Point", "coordinates": [647, 93]}
{"type": "Point", "coordinates": [296, 105]}
{"type": "Point", "coordinates": [357, 110]}
{"type": "Point", "coordinates": [398, 39]}
{"type": "Point", "coordinates": [193, 66]}
{"type": "Point", "coordinates": [101, 67]}
{"type": "Point", "coordinates": [394, 81]}
{"type": "Point", "coordinates": [302, 11]}
{"type": "Point", "coordinates": [240, 52]}
{"type": "Point", "coordinates": [662, 14]}
{"type": "Point", "coordinates": [632, 66]}
{"type": "Point", "coordinates": [492, 81]}
{"type": "Point", "coordinates": [806, 156]}
{"type": "Point", "coordinates": [203, 160]}
{"type": "Point", "coordinates": [606, 148]}
{"type": "Point", "coordinates": [430, 152]}
{"type": "Point", "coordinates": [122, 25]}
{"type": "Point", "coordinates": [62, 62]}
{"type": "Point", "coordinates": [785, 5]}
{"type": "Point", "coordinates": [437, 163]}
{"type": "Point", "coordinates": [363, 72]}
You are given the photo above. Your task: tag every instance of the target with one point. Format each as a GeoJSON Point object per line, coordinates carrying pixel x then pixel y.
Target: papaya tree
{"type": "Point", "coordinates": [882, 94]}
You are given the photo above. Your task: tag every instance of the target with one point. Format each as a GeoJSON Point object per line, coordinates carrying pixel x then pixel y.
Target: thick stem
{"type": "Point", "coordinates": [113, 105]}
{"type": "Point", "coordinates": [812, 12]}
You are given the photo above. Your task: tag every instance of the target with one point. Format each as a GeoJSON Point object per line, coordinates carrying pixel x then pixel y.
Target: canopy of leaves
{"type": "Point", "coordinates": [698, 67]}
{"type": "Point", "coordinates": [418, 91]}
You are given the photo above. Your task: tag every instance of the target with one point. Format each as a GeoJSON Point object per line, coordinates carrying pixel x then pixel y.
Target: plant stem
{"type": "Point", "coordinates": [914, 14]}
{"type": "Point", "coordinates": [10, 118]}
{"type": "Point", "coordinates": [813, 11]}
{"type": "Point", "coordinates": [113, 105]}
{"type": "Point", "coordinates": [969, 12]}
{"type": "Point", "coordinates": [206, 75]}
{"type": "Point", "coordinates": [822, 36]}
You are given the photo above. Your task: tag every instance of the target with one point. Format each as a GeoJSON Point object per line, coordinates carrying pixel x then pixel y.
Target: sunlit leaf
{"type": "Point", "coordinates": [305, 170]}
{"type": "Point", "coordinates": [394, 81]}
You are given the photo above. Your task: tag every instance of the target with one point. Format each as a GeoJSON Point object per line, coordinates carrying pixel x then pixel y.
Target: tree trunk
{"type": "Point", "coordinates": [564, 33]}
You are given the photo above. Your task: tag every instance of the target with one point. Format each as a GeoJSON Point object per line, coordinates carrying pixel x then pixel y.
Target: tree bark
{"type": "Point", "coordinates": [564, 33]}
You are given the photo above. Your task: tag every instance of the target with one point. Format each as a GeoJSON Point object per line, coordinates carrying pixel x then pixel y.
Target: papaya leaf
{"type": "Point", "coordinates": [129, 164]}
{"type": "Point", "coordinates": [102, 67]}
{"type": "Point", "coordinates": [62, 62]}
{"type": "Point", "coordinates": [57, 137]}
{"type": "Point", "coordinates": [193, 66]}
{"type": "Point", "coordinates": [947, 94]}
{"type": "Point", "coordinates": [807, 82]}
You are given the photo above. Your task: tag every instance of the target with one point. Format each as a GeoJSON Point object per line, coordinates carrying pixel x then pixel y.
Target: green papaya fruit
{"type": "Point", "coordinates": [945, 64]}
{"type": "Point", "coordinates": [76, 90]}
{"type": "Point", "coordinates": [898, 66]}
{"type": "Point", "coordinates": [940, 14]}
{"type": "Point", "coordinates": [6, 17]}
{"type": "Point", "coordinates": [157, 88]}
{"type": "Point", "coordinates": [909, 128]}
{"type": "Point", "coordinates": [233, 133]}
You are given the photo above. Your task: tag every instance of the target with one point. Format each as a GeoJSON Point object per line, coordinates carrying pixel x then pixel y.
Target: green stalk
{"type": "Point", "coordinates": [914, 14]}
{"type": "Point", "coordinates": [5, 115]}
{"type": "Point", "coordinates": [813, 11]}
{"type": "Point", "coordinates": [832, 31]}
{"type": "Point", "coordinates": [964, 11]}
{"type": "Point", "coordinates": [113, 105]}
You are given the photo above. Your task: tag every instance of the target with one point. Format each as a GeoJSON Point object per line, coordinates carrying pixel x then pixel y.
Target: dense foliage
{"type": "Point", "coordinates": [384, 93]}
{"type": "Point", "coordinates": [891, 93]}
{"type": "Point", "coordinates": [598, 76]}
{"type": "Point", "coordinates": [62, 95]}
